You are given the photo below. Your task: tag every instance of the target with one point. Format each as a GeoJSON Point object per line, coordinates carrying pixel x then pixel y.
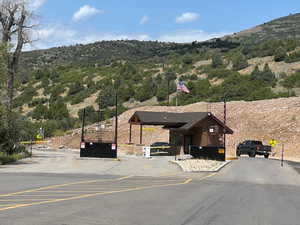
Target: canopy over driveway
{"type": "Point", "coordinates": [186, 124]}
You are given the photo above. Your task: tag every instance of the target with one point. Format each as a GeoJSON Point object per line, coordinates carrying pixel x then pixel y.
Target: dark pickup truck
{"type": "Point", "coordinates": [253, 148]}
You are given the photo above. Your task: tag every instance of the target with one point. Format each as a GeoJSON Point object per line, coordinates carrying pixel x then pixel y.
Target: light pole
{"type": "Point", "coordinates": [116, 115]}
{"type": "Point", "coordinates": [168, 92]}
{"type": "Point", "coordinates": [83, 126]}
{"type": "Point", "coordinates": [225, 118]}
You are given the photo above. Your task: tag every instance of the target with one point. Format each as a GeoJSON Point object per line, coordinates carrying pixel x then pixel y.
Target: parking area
{"type": "Point", "coordinates": [69, 162]}
{"type": "Point", "coordinates": [84, 189]}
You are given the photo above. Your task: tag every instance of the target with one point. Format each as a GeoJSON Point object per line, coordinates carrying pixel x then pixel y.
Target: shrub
{"type": "Point", "coordinates": [267, 77]}
{"type": "Point", "coordinates": [75, 88]}
{"type": "Point", "coordinates": [293, 57]}
{"type": "Point", "coordinates": [40, 112]}
{"type": "Point", "coordinates": [217, 60]}
{"type": "Point", "coordinates": [220, 73]}
{"type": "Point", "coordinates": [280, 54]}
{"type": "Point", "coordinates": [291, 81]}
{"type": "Point", "coordinates": [91, 116]}
{"type": "Point", "coordinates": [26, 96]}
{"type": "Point", "coordinates": [37, 101]}
{"type": "Point", "coordinates": [6, 159]}
{"type": "Point", "coordinates": [239, 61]}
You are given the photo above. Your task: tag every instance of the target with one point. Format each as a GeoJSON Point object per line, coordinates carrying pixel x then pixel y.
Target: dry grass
{"type": "Point", "coordinates": [260, 120]}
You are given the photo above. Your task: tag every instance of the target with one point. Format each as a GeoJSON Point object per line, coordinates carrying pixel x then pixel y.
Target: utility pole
{"type": "Point", "coordinates": [225, 117]}
{"type": "Point", "coordinates": [282, 150]}
{"type": "Point", "coordinates": [116, 118]}
{"type": "Point", "coordinates": [168, 92]}
{"type": "Point", "coordinates": [83, 124]}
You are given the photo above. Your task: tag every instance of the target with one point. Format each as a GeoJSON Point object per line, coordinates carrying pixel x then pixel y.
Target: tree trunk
{"type": "Point", "coordinates": [10, 87]}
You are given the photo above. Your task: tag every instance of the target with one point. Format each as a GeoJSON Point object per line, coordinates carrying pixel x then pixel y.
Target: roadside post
{"type": "Point", "coordinates": [273, 143]}
{"type": "Point", "coordinates": [31, 148]}
{"type": "Point", "coordinates": [282, 150]}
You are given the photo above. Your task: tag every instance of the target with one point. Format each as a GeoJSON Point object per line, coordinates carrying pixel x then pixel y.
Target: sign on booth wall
{"type": "Point", "coordinates": [147, 151]}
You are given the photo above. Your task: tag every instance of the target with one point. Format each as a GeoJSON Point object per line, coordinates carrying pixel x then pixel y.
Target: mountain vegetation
{"type": "Point", "coordinates": [52, 83]}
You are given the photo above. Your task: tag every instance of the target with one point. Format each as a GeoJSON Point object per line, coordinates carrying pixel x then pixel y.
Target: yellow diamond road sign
{"type": "Point", "coordinates": [273, 142]}
{"type": "Point", "coordinates": [39, 137]}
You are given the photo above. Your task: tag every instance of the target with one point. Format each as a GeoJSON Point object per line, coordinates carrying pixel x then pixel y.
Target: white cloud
{"type": "Point", "coordinates": [54, 35]}
{"type": "Point", "coordinates": [57, 35]}
{"type": "Point", "coordinates": [144, 19]}
{"type": "Point", "coordinates": [90, 38]}
{"type": "Point", "coordinates": [187, 17]}
{"type": "Point", "coordinates": [182, 36]}
{"type": "Point", "coordinates": [51, 36]}
{"type": "Point", "coordinates": [85, 12]}
{"type": "Point", "coordinates": [36, 4]}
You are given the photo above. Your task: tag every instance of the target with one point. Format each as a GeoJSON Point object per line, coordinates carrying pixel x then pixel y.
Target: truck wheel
{"type": "Point", "coordinates": [238, 153]}
{"type": "Point", "coordinates": [266, 156]}
{"type": "Point", "coordinates": [252, 154]}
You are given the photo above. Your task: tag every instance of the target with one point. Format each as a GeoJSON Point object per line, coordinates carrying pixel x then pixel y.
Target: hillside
{"type": "Point", "coordinates": [106, 52]}
{"type": "Point", "coordinates": [54, 85]}
{"type": "Point", "coordinates": [261, 120]}
{"type": "Point", "coordinates": [281, 28]}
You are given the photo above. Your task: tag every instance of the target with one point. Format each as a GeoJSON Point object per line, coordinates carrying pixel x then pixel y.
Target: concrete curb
{"type": "Point", "coordinates": [222, 166]}
{"type": "Point", "coordinates": [232, 158]}
{"type": "Point", "coordinates": [213, 170]}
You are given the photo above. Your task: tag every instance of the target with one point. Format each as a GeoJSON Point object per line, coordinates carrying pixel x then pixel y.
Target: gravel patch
{"type": "Point", "coordinates": [200, 165]}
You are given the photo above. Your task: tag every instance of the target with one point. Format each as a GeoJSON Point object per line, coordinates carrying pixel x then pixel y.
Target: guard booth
{"type": "Point", "coordinates": [98, 140]}
{"type": "Point", "coordinates": [199, 134]}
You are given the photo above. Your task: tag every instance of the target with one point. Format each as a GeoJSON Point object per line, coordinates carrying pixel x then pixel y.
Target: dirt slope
{"type": "Point", "coordinates": [261, 120]}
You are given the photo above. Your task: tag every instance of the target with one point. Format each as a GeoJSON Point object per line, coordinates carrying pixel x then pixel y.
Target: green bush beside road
{"type": "Point", "coordinates": [6, 159]}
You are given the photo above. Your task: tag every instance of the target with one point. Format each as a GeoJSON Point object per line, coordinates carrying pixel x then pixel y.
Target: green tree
{"type": "Point", "coordinates": [187, 59]}
{"type": "Point", "coordinates": [75, 88]}
{"type": "Point", "coordinates": [162, 91]}
{"type": "Point", "coordinates": [40, 112]}
{"type": "Point", "coordinates": [143, 92]}
{"type": "Point", "coordinates": [58, 110]}
{"type": "Point", "coordinates": [91, 116]}
{"type": "Point", "coordinates": [239, 61]}
{"type": "Point", "coordinates": [280, 54]}
{"type": "Point", "coordinates": [217, 60]}
{"type": "Point", "coordinates": [106, 97]}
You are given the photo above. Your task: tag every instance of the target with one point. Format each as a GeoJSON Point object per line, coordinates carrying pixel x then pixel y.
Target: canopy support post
{"type": "Point", "coordinates": [130, 130]}
{"type": "Point", "coordinates": [141, 134]}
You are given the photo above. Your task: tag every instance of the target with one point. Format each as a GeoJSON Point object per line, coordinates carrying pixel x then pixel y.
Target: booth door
{"type": "Point", "coordinates": [188, 140]}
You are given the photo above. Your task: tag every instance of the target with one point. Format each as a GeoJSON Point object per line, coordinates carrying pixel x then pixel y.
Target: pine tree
{"type": "Point", "coordinates": [217, 60]}
{"type": "Point", "coordinates": [239, 61]}
{"type": "Point", "coordinates": [280, 54]}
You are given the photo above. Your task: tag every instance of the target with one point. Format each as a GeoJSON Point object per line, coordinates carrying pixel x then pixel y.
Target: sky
{"type": "Point", "coordinates": [69, 22]}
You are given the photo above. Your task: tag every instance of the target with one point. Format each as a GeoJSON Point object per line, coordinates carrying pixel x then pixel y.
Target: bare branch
{"type": "Point", "coordinates": [14, 27]}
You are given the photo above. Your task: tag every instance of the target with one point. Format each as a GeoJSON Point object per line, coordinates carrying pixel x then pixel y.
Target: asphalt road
{"type": "Point", "coordinates": [246, 192]}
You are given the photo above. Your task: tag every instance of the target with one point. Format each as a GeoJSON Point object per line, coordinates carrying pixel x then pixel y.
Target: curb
{"type": "Point", "coordinates": [232, 158]}
{"type": "Point", "coordinates": [222, 166]}
{"type": "Point", "coordinates": [215, 170]}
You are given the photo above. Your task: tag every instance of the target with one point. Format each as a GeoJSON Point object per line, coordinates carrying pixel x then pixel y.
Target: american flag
{"type": "Point", "coordinates": [182, 87]}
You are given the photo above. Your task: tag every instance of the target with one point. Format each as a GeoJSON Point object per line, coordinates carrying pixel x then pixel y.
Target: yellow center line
{"type": "Point", "coordinates": [23, 200]}
{"type": "Point", "coordinates": [63, 185]}
{"type": "Point", "coordinates": [33, 195]}
{"type": "Point", "coordinates": [210, 175]}
{"type": "Point", "coordinates": [5, 205]}
{"type": "Point", "coordinates": [70, 191]}
{"type": "Point", "coordinates": [90, 189]}
{"type": "Point", "coordinates": [94, 194]}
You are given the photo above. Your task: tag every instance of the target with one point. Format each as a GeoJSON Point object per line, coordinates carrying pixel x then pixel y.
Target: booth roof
{"type": "Point", "coordinates": [181, 121]}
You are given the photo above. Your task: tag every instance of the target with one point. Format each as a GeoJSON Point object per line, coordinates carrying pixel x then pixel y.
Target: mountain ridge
{"type": "Point", "coordinates": [56, 84]}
